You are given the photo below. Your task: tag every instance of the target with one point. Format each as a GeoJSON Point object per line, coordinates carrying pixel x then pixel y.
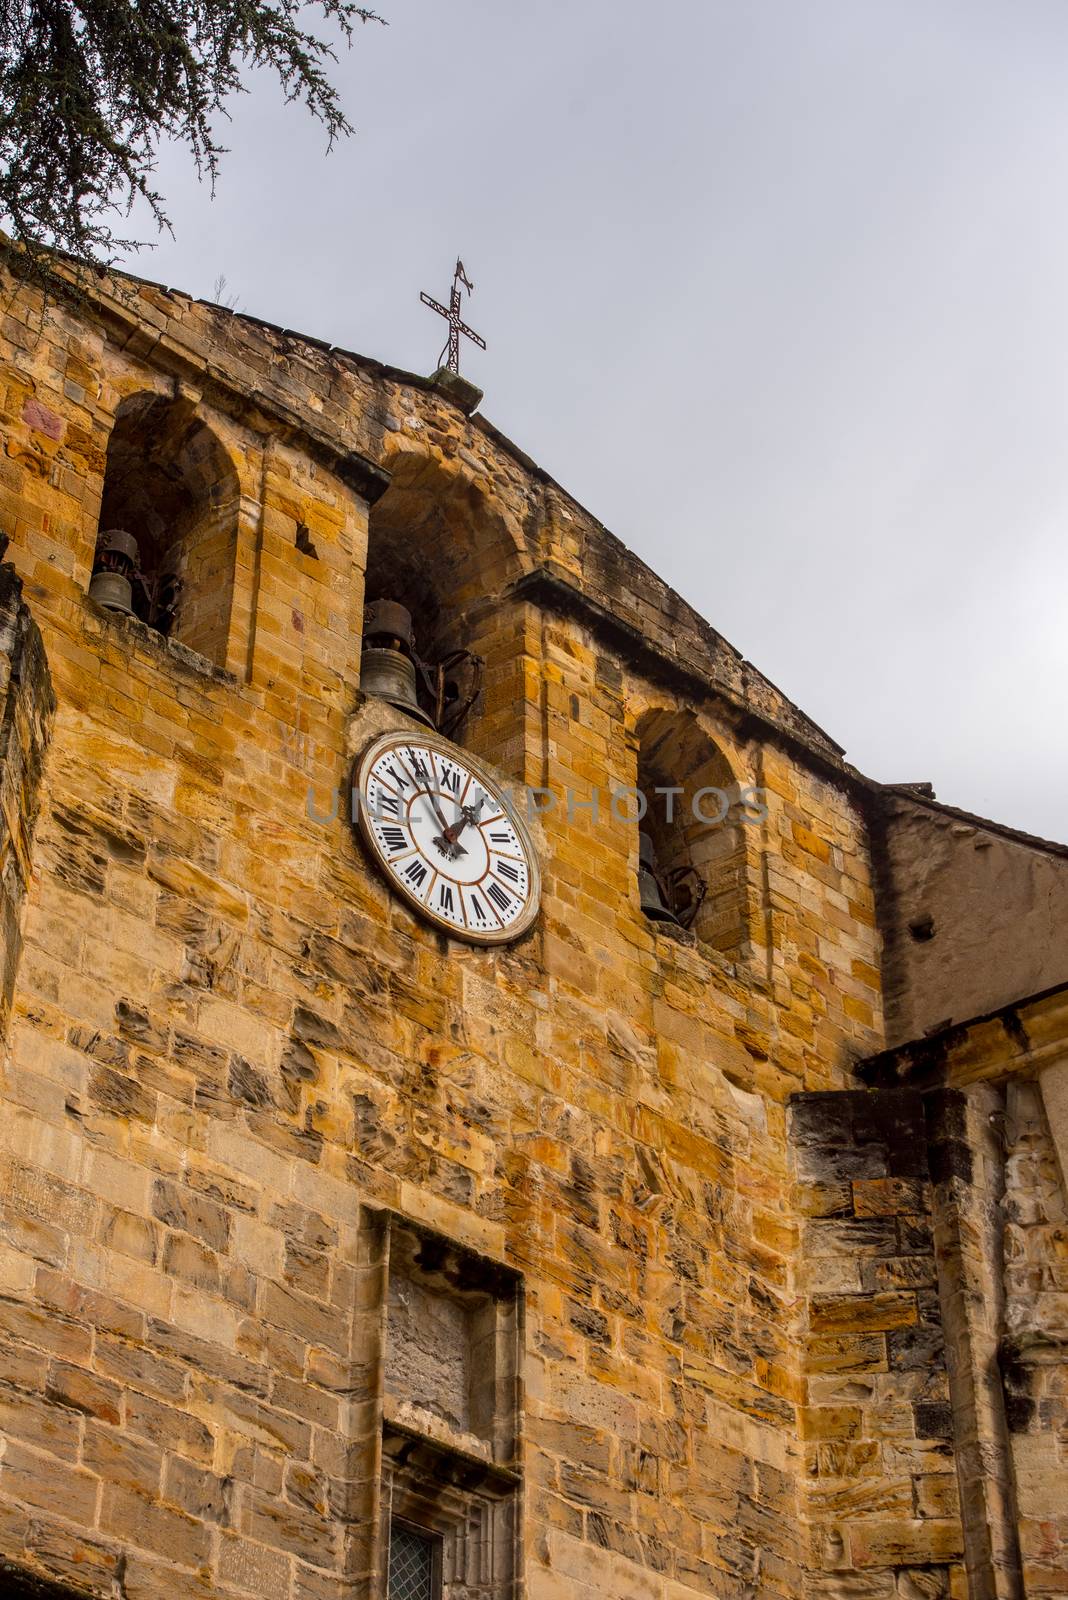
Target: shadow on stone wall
{"type": "Point", "coordinates": [28, 708]}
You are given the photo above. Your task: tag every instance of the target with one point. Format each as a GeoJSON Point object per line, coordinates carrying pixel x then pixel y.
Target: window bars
{"type": "Point", "coordinates": [412, 1564]}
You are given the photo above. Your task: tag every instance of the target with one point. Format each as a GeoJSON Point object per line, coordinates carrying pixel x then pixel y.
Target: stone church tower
{"type": "Point", "coordinates": [583, 1252]}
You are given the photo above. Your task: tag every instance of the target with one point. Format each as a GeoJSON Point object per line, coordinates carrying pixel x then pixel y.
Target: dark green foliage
{"type": "Point", "coordinates": [89, 87]}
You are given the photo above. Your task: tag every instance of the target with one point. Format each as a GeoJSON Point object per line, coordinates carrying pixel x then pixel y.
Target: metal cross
{"type": "Point", "coordinates": [450, 353]}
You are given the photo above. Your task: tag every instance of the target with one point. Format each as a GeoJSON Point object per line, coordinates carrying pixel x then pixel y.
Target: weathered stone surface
{"type": "Point", "coordinates": [978, 915]}
{"type": "Point", "coordinates": [228, 1050]}
{"type": "Point", "coordinates": [1033, 1357]}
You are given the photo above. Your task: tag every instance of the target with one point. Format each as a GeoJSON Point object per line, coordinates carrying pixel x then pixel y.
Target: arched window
{"type": "Point", "coordinates": [694, 823]}
{"type": "Point", "coordinates": [439, 547]}
{"type": "Point", "coordinates": [171, 486]}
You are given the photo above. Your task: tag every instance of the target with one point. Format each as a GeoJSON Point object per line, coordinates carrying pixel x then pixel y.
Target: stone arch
{"type": "Point", "coordinates": [703, 827]}
{"type": "Point", "coordinates": [443, 545]}
{"type": "Point", "coordinates": [170, 482]}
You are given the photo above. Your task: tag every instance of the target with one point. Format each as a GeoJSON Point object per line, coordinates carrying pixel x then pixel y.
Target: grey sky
{"type": "Point", "coordinates": [777, 288]}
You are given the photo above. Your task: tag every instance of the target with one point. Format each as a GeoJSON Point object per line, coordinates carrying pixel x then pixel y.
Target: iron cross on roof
{"type": "Point", "coordinates": [451, 350]}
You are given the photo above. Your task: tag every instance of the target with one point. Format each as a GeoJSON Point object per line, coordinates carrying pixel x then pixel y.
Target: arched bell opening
{"type": "Point", "coordinates": [166, 549]}
{"type": "Point", "coordinates": [439, 558]}
{"type": "Point", "coordinates": [692, 848]}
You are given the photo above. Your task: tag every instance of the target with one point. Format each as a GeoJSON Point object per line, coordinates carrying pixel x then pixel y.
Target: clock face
{"type": "Point", "coordinates": [438, 826]}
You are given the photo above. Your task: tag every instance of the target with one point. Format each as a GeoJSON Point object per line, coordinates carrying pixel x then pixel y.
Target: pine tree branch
{"type": "Point", "coordinates": [88, 88]}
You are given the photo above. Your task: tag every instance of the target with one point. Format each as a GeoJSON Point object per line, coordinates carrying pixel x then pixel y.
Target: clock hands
{"type": "Point", "coordinates": [445, 840]}
{"type": "Point", "coordinates": [468, 817]}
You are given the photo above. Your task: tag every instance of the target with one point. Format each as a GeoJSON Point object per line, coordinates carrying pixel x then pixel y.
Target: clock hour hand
{"type": "Point", "coordinates": [470, 813]}
{"type": "Point", "coordinates": [447, 841]}
{"type": "Point", "coordinates": [468, 818]}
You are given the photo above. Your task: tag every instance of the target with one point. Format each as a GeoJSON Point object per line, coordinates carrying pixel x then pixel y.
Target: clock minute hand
{"type": "Point", "coordinates": [419, 768]}
{"type": "Point", "coordinates": [439, 814]}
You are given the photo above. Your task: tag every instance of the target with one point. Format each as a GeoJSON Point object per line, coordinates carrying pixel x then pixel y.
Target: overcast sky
{"type": "Point", "coordinates": [777, 288]}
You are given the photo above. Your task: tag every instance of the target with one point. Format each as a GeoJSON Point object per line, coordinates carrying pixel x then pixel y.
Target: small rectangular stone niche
{"type": "Point", "coordinates": [451, 1347]}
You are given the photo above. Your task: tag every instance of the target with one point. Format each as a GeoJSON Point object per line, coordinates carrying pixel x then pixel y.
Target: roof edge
{"type": "Point", "coordinates": [1033, 841]}
{"type": "Point", "coordinates": [927, 1061]}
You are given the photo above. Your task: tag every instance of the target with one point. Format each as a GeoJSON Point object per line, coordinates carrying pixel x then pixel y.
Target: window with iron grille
{"type": "Point", "coordinates": [449, 1491]}
{"type": "Point", "coordinates": [414, 1564]}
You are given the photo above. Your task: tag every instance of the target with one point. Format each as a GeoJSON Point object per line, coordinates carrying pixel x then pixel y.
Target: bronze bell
{"type": "Point", "coordinates": [387, 665]}
{"type": "Point", "coordinates": [114, 566]}
{"type": "Point", "coordinates": [650, 890]}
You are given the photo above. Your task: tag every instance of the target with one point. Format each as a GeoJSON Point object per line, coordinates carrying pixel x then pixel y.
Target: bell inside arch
{"type": "Point", "coordinates": [650, 888]}
{"type": "Point", "coordinates": [387, 660]}
{"type": "Point", "coordinates": [114, 567]}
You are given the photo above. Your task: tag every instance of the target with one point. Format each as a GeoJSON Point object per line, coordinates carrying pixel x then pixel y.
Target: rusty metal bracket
{"type": "Point", "coordinates": [450, 710]}
{"type": "Point", "coordinates": [686, 891]}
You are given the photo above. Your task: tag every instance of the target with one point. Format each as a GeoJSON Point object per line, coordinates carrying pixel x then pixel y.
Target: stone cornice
{"type": "Point", "coordinates": [1017, 1039]}
{"type": "Point", "coordinates": [154, 342]}
{"type": "Point", "coordinates": [552, 587]}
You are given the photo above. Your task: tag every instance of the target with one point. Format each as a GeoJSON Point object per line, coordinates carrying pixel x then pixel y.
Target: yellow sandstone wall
{"type": "Point", "coordinates": [229, 1046]}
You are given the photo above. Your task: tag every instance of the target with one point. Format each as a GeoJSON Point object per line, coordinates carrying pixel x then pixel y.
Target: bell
{"type": "Point", "coordinates": [112, 591]}
{"type": "Point", "coordinates": [387, 668]}
{"type": "Point", "coordinates": [113, 568]}
{"type": "Point", "coordinates": [649, 891]}
{"type": "Point", "coordinates": [390, 675]}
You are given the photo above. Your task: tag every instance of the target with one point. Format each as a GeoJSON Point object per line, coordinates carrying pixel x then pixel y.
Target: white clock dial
{"type": "Point", "coordinates": [440, 828]}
